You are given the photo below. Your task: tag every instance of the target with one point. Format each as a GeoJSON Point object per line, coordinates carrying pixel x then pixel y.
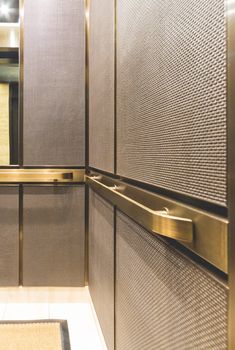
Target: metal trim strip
{"type": "Point", "coordinates": [230, 18]}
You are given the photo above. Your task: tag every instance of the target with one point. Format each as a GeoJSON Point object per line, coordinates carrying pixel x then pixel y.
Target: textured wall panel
{"type": "Point", "coordinates": [171, 95]}
{"type": "Point", "coordinates": [101, 65]}
{"type": "Point", "coordinates": [53, 245]}
{"type": "Point", "coordinates": [101, 264]}
{"type": "Point", "coordinates": [54, 82]}
{"type": "Point", "coordinates": [163, 301]}
{"type": "Point", "coordinates": [9, 236]}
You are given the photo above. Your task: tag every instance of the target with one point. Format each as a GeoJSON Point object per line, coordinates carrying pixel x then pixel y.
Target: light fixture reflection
{"type": "Point", "coordinates": [4, 10]}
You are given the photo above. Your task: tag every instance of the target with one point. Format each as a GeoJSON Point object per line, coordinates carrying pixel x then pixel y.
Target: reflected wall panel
{"type": "Point", "coordinates": [54, 82]}
{"type": "Point", "coordinates": [53, 244]}
{"type": "Point", "coordinates": [101, 85]}
{"type": "Point", "coordinates": [171, 95]}
{"type": "Point", "coordinates": [9, 236]}
{"type": "Point", "coordinates": [101, 264]}
{"type": "Point", "coordinates": [163, 300]}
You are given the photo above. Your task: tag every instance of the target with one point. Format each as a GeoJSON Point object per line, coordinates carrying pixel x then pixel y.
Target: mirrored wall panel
{"type": "Point", "coordinates": [9, 81]}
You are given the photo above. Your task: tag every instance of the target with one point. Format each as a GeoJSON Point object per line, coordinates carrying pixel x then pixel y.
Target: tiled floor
{"type": "Point", "coordinates": [72, 304]}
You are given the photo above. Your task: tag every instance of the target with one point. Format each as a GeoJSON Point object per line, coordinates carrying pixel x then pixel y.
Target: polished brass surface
{"type": "Point", "coordinates": [203, 233]}
{"type": "Point", "coordinates": [156, 219]}
{"type": "Point", "coordinates": [9, 35]}
{"type": "Point", "coordinates": [41, 175]}
{"type": "Point", "coordinates": [231, 167]}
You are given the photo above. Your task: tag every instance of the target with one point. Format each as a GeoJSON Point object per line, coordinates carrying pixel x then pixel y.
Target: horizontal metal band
{"type": "Point", "coordinates": [42, 175]}
{"type": "Point", "coordinates": [203, 233]}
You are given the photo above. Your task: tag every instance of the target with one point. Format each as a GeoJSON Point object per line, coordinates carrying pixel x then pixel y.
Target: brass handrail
{"type": "Point", "coordinates": [41, 175]}
{"type": "Point", "coordinates": [202, 232]}
{"type": "Point", "coordinates": [157, 221]}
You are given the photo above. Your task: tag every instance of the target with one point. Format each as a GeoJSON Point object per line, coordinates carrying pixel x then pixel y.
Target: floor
{"type": "Point", "coordinates": [72, 304]}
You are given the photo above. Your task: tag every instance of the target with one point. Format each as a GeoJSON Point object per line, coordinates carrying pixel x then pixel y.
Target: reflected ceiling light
{"type": "Point", "coordinates": [4, 10]}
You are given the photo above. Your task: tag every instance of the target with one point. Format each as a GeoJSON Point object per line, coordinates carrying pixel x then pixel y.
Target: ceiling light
{"type": "Point", "coordinates": [4, 10]}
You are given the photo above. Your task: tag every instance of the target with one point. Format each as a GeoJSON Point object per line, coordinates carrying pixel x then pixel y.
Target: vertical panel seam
{"type": "Point", "coordinates": [21, 193]}
{"type": "Point", "coordinates": [115, 86]}
{"type": "Point", "coordinates": [115, 271]}
{"type": "Point", "coordinates": [21, 90]}
{"type": "Point", "coordinates": [87, 9]}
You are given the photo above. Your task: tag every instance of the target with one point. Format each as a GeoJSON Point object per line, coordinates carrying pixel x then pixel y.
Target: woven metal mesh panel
{"type": "Point", "coordinates": [171, 95]}
{"type": "Point", "coordinates": [54, 236]}
{"type": "Point", "coordinates": [54, 82]}
{"type": "Point", "coordinates": [101, 264]}
{"type": "Point", "coordinates": [163, 301]}
{"type": "Point", "coordinates": [101, 77]}
{"type": "Point", "coordinates": [9, 236]}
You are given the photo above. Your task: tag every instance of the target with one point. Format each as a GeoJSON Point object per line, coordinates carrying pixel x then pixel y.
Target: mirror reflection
{"type": "Point", "coordinates": [9, 81]}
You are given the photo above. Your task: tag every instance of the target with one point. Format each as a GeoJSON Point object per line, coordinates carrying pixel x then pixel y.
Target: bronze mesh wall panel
{"type": "Point", "coordinates": [163, 300]}
{"type": "Point", "coordinates": [101, 264]}
{"type": "Point", "coordinates": [53, 236]}
{"type": "Point", "coordinates": [9, 236]}
{"type": "Point", "coordinates": [101, 88]}
{"type": "Point", "coordinates": [54, 82]}
{"type": "Point", "coordinates": [171, 95]}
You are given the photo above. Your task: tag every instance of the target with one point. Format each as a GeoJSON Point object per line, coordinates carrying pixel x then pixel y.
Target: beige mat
{"type": "Point", "coordinates": [34, 335]}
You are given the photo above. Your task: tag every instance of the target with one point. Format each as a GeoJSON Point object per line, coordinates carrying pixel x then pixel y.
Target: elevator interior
{"type": "Point", "coordinates": [117, 163]}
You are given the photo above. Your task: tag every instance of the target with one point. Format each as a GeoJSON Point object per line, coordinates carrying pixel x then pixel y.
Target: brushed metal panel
{"type": "Point", "coordinates": [101, 84]}
{"type": "Point", "coordinates": [54, 82]}
{"type": "Point", "coordinates": [163, 300]}
{"type": "Point", "coordinates": [171, 95]}
{"type": "Point", "coordinates": [9, 236]}
{"type": "Point", "coordinates": [101, 263]}
{"type": "Point", "coordinates": [53, 241]}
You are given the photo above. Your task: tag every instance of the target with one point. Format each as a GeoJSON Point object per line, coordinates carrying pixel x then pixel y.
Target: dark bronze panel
{"type": "Point", "coordinates": [101, 263]}
{"type": "Point", "coordinates": [54, 82]}
{"type": "Point", "coordinates": [163, 300]}
{"type": "Point", "coordinates": [9, 236]}
{"type": "Point", "coordinates": [53, 238]}
{"type": "Point", "coordinates": [101, 84]}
